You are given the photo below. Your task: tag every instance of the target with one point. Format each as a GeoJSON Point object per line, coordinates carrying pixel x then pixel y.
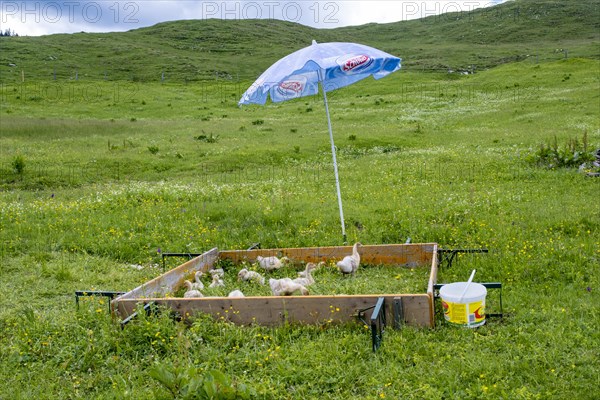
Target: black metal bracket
{"type": "Point", "coordinates": [447, 255]}
{"type": "Point", "coordinates": [488, 285]}
{"type": "Point", "coordinates": [376, 322]}
{"type": "Point", "coordinates": [398, 312]}
{"type": "Point", "coordinates": [105, 293]}
{"type": "Point", "coordinates": [148, 308]}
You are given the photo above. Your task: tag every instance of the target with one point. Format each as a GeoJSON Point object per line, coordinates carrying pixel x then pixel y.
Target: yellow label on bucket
{"type": "Point", "coordinates": [457, 312]}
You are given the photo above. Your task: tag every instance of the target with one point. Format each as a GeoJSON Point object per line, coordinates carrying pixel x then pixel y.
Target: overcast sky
{"type": "Point", "coordinates": [34, 18]}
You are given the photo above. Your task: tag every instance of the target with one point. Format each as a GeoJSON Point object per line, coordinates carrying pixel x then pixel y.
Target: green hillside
{"type": "Point", "coordinates": [490, 36]}
{"type": "Point", "coordinates": [205, 49]}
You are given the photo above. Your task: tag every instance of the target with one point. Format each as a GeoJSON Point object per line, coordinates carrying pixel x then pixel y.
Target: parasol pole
{"type": "Point", "coordinates": [335, 168]}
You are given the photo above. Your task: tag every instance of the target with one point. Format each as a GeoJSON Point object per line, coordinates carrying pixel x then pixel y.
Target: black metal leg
{"type": "Point", "coordinates": [105, 293]}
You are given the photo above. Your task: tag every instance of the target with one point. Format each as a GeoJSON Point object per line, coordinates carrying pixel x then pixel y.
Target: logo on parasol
{"type": "Point", "coordinates": [355, 64]}
{"type": "Point", "coordinates": [291, 87]}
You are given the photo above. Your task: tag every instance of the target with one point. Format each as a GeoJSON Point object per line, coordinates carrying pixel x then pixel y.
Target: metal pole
{"type": "Point", "coordinates": [335, 168]}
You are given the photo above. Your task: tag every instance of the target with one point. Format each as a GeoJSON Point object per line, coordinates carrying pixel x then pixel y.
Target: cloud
{"type": "Point", "coordinates": [46, 17]}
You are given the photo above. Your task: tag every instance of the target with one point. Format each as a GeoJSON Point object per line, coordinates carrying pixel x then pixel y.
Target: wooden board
{"type": "Point", "coordinates": [410, 255]}
{"type": "Point", "coordinates": [432, 281]}
{"type": "Point", "coordinates": [272, 311]}
{"type": "Point", "coordinates": [171, 280]}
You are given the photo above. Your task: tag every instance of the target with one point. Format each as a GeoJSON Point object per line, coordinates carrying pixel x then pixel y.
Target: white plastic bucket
{"type": "Point", "coordinates": [468, 311]}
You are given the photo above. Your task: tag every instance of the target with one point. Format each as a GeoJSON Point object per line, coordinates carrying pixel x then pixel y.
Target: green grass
{"type": "Point", "coordinates": [91, 185]}
{"type": "Point", "coordinates": [441, 160]}
{"type": "Point", "coordinates": [372, 279]}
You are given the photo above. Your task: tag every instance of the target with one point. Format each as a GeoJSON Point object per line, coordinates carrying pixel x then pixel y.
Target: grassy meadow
{"type": "Point", "coordinates": [97, 178]}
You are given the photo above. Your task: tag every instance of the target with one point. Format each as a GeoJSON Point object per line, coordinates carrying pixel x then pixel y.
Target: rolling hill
{"type": "Point", "coordinates": [240, 49]}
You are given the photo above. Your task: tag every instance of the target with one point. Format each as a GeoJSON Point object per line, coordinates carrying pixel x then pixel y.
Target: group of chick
{"type": "Point", "coordinates": [279, 287]}
{"type": "Point", "coordinates": [194, 288]}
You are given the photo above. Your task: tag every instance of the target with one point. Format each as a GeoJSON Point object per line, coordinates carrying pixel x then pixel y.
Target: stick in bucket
{"type": "Point", "coordinates": [467, 285]}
